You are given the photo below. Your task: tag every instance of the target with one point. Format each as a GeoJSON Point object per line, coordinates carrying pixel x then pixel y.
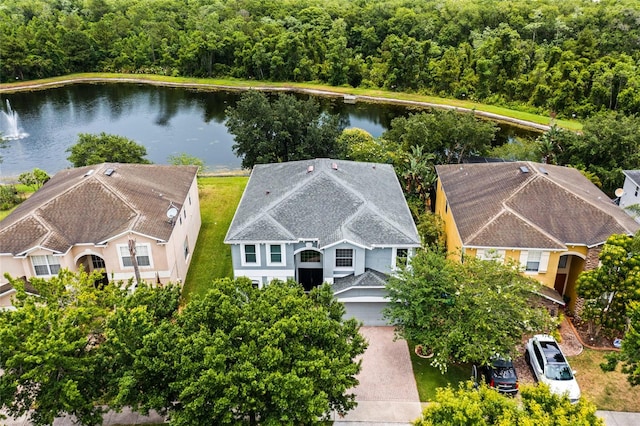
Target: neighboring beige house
{"type": "Point", "coordinates": [551, 220]}
{"type": "Point", "coordinates": [88, 217]}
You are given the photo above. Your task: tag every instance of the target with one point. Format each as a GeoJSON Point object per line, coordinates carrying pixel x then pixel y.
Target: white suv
{"type": "Point", "coordinates": [551, 367]}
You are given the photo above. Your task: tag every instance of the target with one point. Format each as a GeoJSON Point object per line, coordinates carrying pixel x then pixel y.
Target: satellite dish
{"type": "Point", "coordinates": [172, 212]}
{"type": "Point", "coordinates": [619, 192]}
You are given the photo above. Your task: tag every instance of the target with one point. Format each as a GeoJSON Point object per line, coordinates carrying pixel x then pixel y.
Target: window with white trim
{"type": "Point", "coordinates": [276, 254]}
{"type": "Point", "coordinates": [143, 255]}
{"type": "Point", "coordinates": [401, 256]}
{"type": "Point", "coordinates": [344, 258]}
{"type": "Point", "coordinates": [533, 261]}
{"type": "Point", "coordinates": [45, 265]}
{"type": "Point", "coordinates": [250, 254]}
{"type": "Point", "coordinates": [491, 254]}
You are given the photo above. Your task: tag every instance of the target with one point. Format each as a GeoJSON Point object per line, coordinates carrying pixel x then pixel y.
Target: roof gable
{"type": "Point", "coordinates": [87, 206]}
{"type": "Point", "coordinates": [325, 200]}
{"type": "Point", "coordinates": [542, 206]}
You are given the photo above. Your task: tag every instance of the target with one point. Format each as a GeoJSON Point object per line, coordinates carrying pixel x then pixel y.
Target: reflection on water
{"type": "Point", "coordinates": [167, 121]}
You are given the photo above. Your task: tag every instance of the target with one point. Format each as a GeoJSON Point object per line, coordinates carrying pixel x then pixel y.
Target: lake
{"type": "Point", "coordinates": [167, 121]}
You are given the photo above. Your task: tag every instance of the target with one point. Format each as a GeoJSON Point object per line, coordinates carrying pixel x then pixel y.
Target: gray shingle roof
{"type": "Point", "coordinates": [370, 278]}
{"type": "Point", "coordinates": [634, 175]}
{"type": "Point", "coordinates": [359, 202]}
{"type": "Point", "coordinates": [75, 207]}
{"type": "Point", "coordinates": [497, 205]}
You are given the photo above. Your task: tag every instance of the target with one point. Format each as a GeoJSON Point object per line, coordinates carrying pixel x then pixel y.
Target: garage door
{"type": "Point", "coordinates": [369, 313]}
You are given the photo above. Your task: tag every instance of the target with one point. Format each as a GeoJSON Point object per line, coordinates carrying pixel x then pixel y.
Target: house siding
{"type": "Point", "coordinates": [631, 194]}
{"type": "Point", "coordinates": [336, 272]}
{"type": "Point", "coordinates": [379, 259]}
{"type": "Point", "coordinates": [453, 241]}
{"type": "Point", "coordinates": [264, 273]}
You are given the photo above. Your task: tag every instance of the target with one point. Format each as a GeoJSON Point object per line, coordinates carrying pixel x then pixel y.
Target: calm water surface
{"type": "Point", "coordinates": [167, 121]}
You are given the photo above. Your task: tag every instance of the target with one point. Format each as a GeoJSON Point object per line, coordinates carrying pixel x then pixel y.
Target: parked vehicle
{"type": "Point", "coordinates": [550, 366]}
{"type": "Point", "coordinates": [500, 375]}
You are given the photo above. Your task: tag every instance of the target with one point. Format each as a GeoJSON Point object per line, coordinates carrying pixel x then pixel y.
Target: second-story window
{"type": "Point", "coordinates": [45, 265]}
{"type": "Point", "coordinates": [344, 258]}
{"type": "Point", "coordinates": [250, 255]}
{"type": "Point", "coordinates": [401, 257]}
{"type": "Point", "coordinates": [276, 253]}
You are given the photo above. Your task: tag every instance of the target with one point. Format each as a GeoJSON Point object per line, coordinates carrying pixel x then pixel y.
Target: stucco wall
{"type": "Point", "coordinates": [454, 243]}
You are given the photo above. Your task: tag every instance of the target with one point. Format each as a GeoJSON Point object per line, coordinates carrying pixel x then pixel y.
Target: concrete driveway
{"type": "Point", "coordinates": [387, 391]}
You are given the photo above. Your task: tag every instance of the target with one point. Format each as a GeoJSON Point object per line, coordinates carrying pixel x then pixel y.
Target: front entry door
{"type": "Point", "coordinates": [309, 278]}
{"type": "Point", "coordinates": [561, 280]}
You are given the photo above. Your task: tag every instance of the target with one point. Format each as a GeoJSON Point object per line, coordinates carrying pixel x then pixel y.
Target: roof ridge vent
{"type": "Point", "coordinates": [89, 173]}
{"type": "Point", "coordinates": [524, 169]}
{"type": "Point", "coordinates": [334, 166]}
{"type": "Point", "coordinates": [310, 169]}
{"type": "Point", "coordinates": [109, 172]}
{"type": "Point", "coordinates": [543, 170]}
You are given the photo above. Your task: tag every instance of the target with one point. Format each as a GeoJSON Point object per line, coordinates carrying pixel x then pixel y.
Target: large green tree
{"type": "Point", "coordinates": [463, 312]}
{"type": "Point", "coordinates": [242, 354]}
{"type": "Point", "coordinates": [50, 348]}
{"type": "Point", "coordinates": [608, 144]}
{"type": "Point", "coordinates": [629, 354]}
{"type": "Point", "coordinates": [283, 129]}
{"type": "Point", "coordinates": [238, 355]}
{"type": "Point", "coordinates": [451, 136]}
{"type": "Point", "coordinates": [104, 148]}
{"type": "Point", "coordinates": [484, 406]}
{"type": "Point", "coordinates": [613, 285]}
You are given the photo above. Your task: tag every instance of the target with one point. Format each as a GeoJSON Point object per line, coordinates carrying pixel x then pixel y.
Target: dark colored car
{"type": "Point", "coordinates": [500, 375]}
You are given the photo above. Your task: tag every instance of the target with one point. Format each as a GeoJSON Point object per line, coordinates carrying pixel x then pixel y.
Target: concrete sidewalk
{"type": "Point", "coordinates": [126, 417]}
{"type": "Point", "coordinates": [617, 418]}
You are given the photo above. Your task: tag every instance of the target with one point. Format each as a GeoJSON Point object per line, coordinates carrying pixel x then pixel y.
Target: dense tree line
{"type": "Point", "coordinates": [566, 57]}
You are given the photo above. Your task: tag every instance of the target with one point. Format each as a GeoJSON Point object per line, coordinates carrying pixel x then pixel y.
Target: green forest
{"type": "Point", "coordinates": [572, 58]}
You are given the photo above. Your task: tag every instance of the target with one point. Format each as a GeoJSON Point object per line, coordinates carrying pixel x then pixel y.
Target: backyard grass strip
{"type": "Point", "coordinates": [219, 197]}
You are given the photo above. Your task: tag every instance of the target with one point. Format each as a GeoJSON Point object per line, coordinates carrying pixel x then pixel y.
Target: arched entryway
{"type": "Point", "coordinates": [91, 263]}
{"type": "Point", "coordinates": [309, 270]}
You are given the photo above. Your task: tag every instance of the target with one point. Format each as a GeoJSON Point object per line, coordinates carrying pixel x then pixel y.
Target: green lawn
{"type": "Point", "coordinates": [609, 391]}
{"type": "Point", "coordinates": [219, 197]}
{"type": "Point", "coordinates": [429, 378]}
{"type": "Point", "coordinates": [26, 192]}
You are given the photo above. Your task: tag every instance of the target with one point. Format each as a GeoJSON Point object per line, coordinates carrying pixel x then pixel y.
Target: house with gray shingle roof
{"type": "Point", "coordinates": [342, 222]}
{"type": "Point", "coordinates": [549, 219]}
{"type": "Point", "coordinates": [88, 217]}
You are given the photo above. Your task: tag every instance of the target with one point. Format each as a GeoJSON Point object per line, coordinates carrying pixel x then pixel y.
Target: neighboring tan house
{"type": "Point", "coordinates": [630, 192]}
{"type": "Point", "coordinates": [88, 217]}
{"type": "Point", "coordinates": [342, 222]}
{"type": "Point", "coordinates": [551, 220]}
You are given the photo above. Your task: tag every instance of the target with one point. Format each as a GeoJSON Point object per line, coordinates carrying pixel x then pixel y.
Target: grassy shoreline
{"type": "Point", "coordinates": [515, 117]}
